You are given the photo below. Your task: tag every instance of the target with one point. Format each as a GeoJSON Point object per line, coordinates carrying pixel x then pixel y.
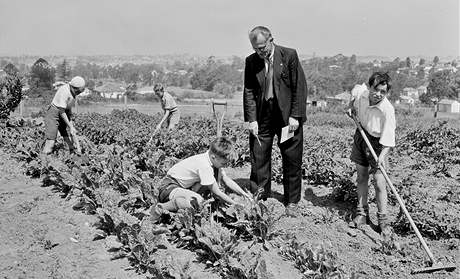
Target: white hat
{"type": "Point", "coordinates": [78, 82]}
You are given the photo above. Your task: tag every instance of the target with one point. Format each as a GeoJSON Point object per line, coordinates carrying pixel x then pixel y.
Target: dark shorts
{"type": "Point", "coordinates": [360, 153]}
{"type": "Point", "coordinates": [54, 123]}
{"type": "Point", "coordinates": [167, 185]}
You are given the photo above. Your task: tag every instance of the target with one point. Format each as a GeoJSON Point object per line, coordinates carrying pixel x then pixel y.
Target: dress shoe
{"type": "Point", "coordinates": [292, 210]}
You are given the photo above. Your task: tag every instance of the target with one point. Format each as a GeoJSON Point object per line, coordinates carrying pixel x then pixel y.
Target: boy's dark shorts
{"type": "Point", "coordinates": [360, 153]}
{"type": "Point", "coordinates": [54, 123]}
{"type": "Point", "coordinates": [167, 185]}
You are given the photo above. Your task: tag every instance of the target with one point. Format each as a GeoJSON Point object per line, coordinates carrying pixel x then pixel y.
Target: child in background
{"type": "Point", "coordinates": [171, 111]}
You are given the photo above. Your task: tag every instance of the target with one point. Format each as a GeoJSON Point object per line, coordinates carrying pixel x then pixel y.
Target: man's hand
{"type": "Point", "coordinates": [253, 128]}
{"type": "Point", "coordinates": [293, 124]}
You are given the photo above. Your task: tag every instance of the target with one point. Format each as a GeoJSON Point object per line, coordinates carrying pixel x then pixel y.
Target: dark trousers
{"type": "Point", "coordinates": [270, 124]}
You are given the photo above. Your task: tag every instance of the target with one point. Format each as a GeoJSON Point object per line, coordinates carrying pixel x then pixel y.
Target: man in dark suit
{"type": "Point", "coordinates": [275, 92]}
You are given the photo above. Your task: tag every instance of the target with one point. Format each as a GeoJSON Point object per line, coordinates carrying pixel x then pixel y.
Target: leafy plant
{"type": "Point", "coordinates": [317, 261]}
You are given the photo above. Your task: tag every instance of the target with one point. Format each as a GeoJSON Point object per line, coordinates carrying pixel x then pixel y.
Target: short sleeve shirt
{"type": "Point", "coordinates": [167, 102]}
{"type": "Point", "coordinates": [63, 97]}
{"type": "Point", "coordinates": [192, 170]}
{"type": "Point", "coordinates": [378, 120]}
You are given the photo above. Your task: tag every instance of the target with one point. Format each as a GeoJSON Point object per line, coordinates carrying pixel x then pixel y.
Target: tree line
{"type": "Point", "coordinates": [326, 76]}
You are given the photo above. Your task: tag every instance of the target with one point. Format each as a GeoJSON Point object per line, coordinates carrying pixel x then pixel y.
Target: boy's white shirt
{"type": "Point", "coordinates": [194, 169]}
{"type": "Point", "coordinates": [168, 102]}
{"type": "Point", "coordinates": [378, 120]}
{"type": "Point", "coordinates": [63, 97]}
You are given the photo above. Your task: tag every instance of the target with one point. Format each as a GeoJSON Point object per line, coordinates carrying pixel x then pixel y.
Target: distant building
{"type": "Point", "coordinates": [316, 103]}
{"type": "Point", "coordinates": [145, 90]}
{"type": "Point", "coordinates": [333, 67]}
{"type": "Point", "coordinates": [406, 100]}
{"type": "Point", "coordinates": [410, 92]}
{"type": "Point", "coordinates": [342, 98]}
{"type": "Point", "coordinates": [451, 106]}
{"type": "Point", "coordinates": [111, 90]}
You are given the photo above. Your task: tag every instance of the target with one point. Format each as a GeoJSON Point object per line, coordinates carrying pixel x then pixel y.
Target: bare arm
{"type": "Point", "coordinates": [165, 116]}
{"type": "Point", "coordinates": [68, 122]}
{"type": "Point", "coordinates": [234, 186]}
{"type": "Point", "coordinates": [218, 192]}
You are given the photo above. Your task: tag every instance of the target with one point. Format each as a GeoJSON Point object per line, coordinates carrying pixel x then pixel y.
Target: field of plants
{"type": "Point", "coordinates": [116, 179]}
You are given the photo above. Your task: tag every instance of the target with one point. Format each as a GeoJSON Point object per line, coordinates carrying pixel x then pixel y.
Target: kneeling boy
{"type": "Point", "coordinates": [184, 180]}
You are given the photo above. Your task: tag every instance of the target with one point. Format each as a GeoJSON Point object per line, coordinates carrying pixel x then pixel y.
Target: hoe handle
{"type": "Point", "coordinates": [395, 192]}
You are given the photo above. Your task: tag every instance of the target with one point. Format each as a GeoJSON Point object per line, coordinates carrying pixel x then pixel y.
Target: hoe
{"type": "Point", "coordinates": [435, 266]}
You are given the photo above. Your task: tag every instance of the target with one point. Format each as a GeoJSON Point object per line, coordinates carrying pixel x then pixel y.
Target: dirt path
{"type": "Point", "coordinates": [43, 237]}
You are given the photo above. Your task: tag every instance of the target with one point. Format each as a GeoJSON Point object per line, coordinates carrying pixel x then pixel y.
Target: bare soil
{"type": "Point", "coordinates": [43, 237]}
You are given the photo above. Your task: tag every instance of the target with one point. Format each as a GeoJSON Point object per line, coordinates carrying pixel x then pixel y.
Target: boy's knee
{"type": "Point", "coordinates": [379, 184]}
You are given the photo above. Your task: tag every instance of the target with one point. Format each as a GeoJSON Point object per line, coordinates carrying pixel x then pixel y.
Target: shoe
{"type": "Point", "coordinates": [292, 210]}
{"type": "Point", "coordinates": [384, 227]}
{"type": "Point", "coordinates": [359, 221]}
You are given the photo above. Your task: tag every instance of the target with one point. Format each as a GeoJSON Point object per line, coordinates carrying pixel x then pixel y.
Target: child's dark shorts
{"type": "Point", "coordinates": [167, 185]}
{"type": "Point", "coordinates": [360, 153]}
{"type": "Point", "coordinates": [54, 123]}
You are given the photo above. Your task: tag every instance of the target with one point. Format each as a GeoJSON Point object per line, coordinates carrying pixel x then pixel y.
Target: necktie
{"type": "Point", "coordinates": [269, 81]}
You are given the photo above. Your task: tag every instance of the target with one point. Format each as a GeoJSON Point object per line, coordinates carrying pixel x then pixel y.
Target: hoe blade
{"type": "Point", "coordinates": [435, 267]}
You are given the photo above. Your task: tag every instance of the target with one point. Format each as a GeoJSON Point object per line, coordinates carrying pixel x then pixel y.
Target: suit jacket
{"type": "Point", "coordinates": [289, 85]}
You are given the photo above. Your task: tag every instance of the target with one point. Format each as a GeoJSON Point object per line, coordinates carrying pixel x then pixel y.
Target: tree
{"type": "Point", "coordinates": [435, 60]}
{"type": "Point", "coordinates": [353, 59]}
{"type": "Point", "coordinates": [41, 75]}
{"type": "Point", "coordinates": [408, 62]}
{"type": "Point", "coordinates": [10, 69]}
{"type": "Point", "coordinates": [421, 62]}
{"type": "Point", "coordinates": [63, 71]}
{"type": "Point", "coordinates": [454, 63]}
{"type": "Point", "coordinates": [421, 73]}
{"type": "Point", "coordinates": [10, 94]}
{"type": "Point", "coordinates": [442, 85]}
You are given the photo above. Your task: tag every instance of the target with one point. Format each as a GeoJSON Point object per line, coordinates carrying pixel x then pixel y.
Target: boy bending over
{"type": "Point", "coordinates": [377, 117]}
{"type": "Point", "coordinates": [184, 180]}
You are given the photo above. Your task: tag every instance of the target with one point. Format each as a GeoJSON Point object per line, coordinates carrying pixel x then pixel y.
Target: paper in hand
{"type": "Point", "coordinates": [285, 134]}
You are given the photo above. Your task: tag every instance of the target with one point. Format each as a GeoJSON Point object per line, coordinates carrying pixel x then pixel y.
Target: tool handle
{"type": "Point", "coordinates": [395, 192]}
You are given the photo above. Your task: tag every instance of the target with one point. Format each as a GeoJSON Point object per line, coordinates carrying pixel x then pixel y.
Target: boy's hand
{"type": "Point", "coordinates": [238, 205]}
{"type": "Point", "coordinates": [381, 161]}
{"type": "Point", "coordinates": [247, 196]}
{"type": "Point", "coordinates": [73, 131]}
{"type": "Point", "coordinates": [351, 111]}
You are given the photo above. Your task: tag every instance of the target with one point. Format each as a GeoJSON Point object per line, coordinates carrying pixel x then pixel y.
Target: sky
{"type": "Point", "coordinates": [392, 28]}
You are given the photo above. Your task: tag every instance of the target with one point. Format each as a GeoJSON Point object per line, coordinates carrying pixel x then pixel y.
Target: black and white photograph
{"type": "Point", "coordinates": [209, 139]}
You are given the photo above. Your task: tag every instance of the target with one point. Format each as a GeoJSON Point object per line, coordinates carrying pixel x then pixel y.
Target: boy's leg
{"type": "Point", "coordinates": [381, 195]}
{"type": "Point", "coordinates": [51, 129]}
{"type": "Point", "coordinates": [181, 198]}
{"type": "Point", "coordinates": [362, 187]}
{"type": "Point", "coordinates": [173, 120]}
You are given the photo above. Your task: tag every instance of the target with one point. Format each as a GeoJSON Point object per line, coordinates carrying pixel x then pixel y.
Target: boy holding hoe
{"type": "Point", "coordinates": [182, 183]}
{"type": "Point", "coordinates": [376, 115]}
